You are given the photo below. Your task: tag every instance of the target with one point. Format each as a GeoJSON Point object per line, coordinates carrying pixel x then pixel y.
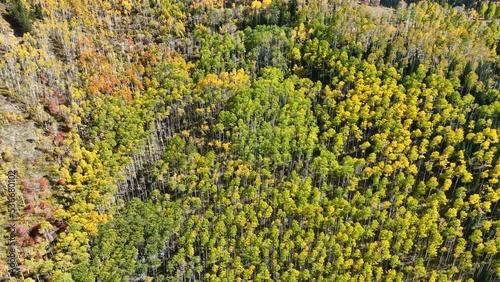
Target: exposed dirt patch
{"type": "Point", "coordinates": [7, 104]}
{"type": "Point", "coordinates": [19, 137]}
{"type": "Point", "coordinates": [5, 29]}
{"type": "Point", "coordinates": [379, 12]}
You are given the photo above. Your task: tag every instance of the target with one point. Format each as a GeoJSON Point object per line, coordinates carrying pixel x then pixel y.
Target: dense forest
{"type": "Point", "coordinates": [273, 140]}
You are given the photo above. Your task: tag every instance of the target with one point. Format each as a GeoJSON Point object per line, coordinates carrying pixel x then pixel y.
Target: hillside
{"type": "Point", "coordinates": [169, 140]}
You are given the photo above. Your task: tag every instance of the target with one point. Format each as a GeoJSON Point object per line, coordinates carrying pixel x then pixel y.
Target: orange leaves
{"type": "Point", "coordinates": [102, 77]}
{"type": "Point", "coordinates": [98, 72]}
{"type": "Point", "coordinates": [62, 181]}
{"type": "Point", "coordinates": [131, 74]}
{"type": "Point", "coordinates": [149, 58]}
{"type": "Point", "coordinates": [101, 83]}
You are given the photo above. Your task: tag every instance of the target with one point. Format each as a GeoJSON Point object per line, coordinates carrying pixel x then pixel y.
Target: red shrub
{"type": "Point", "coordinates": [29, 187]}
{"type": "Point", "coordinates": [21, 231]}
{"type": "Point", "coordinates": [43, 78]}
{"type": "Point", "coordinates": [53, 108]}
{"type": "Point", "coordinates": [31, 241]}
{"type": "Point", "coordinates": [28, 209]}
{"type": "Point", "coordinates": [44, 183]}
{"type": "Point", "coordinates": [47, 213]}
{"type": "Point", "coordinates": [59, 138]}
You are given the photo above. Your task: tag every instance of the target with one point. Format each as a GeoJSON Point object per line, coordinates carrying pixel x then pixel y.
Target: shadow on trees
{"type": "Point", "coordinates": [18, 18]}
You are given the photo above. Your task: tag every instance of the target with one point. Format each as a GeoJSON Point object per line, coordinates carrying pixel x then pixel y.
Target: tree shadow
{"type": "Point", "coordinates": [18, 18]}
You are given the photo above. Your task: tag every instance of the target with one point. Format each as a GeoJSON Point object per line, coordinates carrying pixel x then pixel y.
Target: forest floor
{"type": "Point", "coordinates": [380, 11]}
{"type": "Point", "coordinates": [19, 132]}
{"type": "Point", "coordinates": [20, 136]}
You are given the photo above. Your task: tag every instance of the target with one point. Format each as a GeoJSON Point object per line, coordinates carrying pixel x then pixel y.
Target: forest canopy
{"type": "Point", "coordinates": [273, 140]}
